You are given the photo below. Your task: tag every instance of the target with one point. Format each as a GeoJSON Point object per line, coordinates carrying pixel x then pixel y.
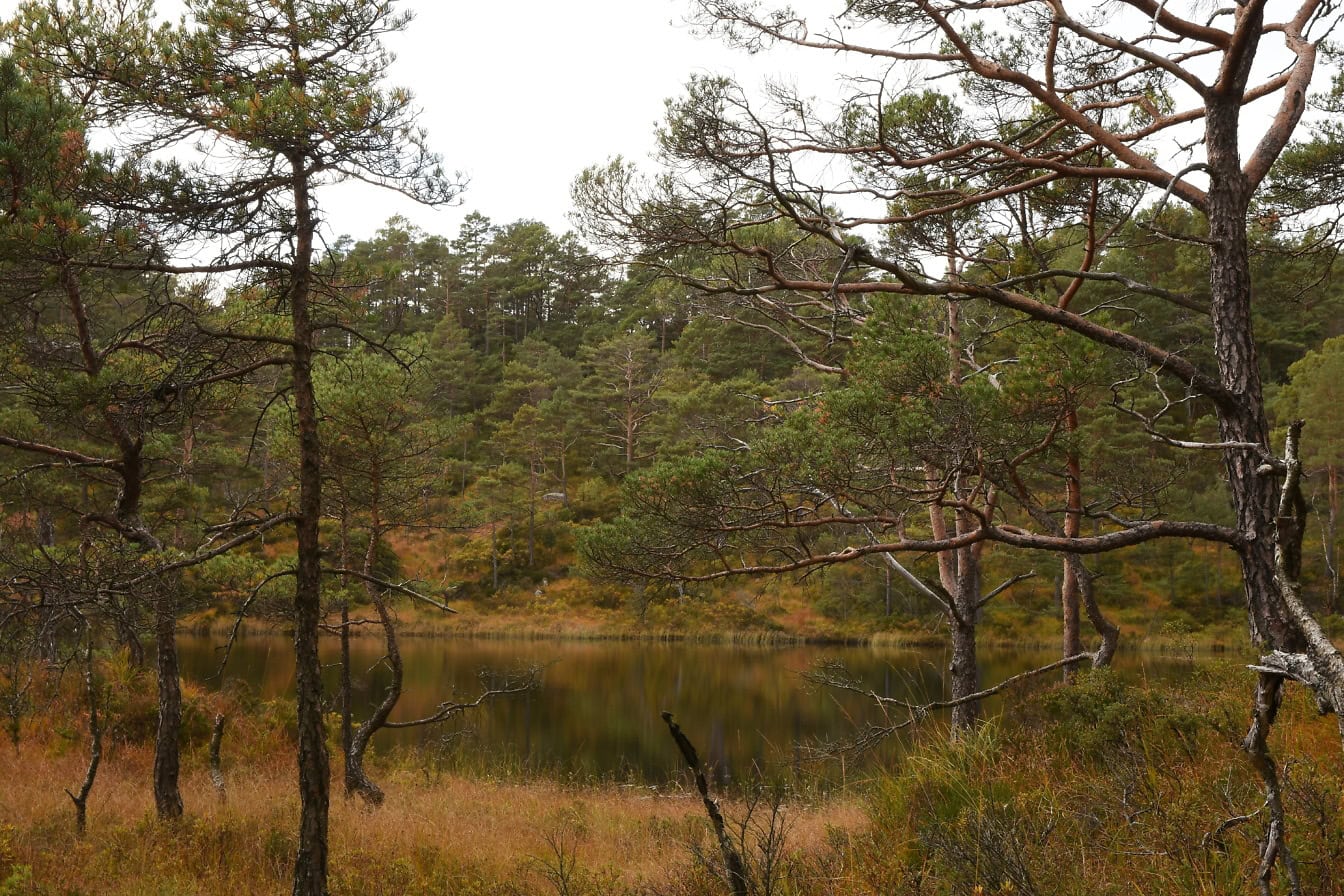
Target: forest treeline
{"type": "Point", "coordinates": [504, 382]}
{"type": "Point", "coordinates": [539, 376]}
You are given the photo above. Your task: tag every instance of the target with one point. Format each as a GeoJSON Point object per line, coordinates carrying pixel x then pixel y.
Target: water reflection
{"type": "Point", "coordinates": [596, 712]}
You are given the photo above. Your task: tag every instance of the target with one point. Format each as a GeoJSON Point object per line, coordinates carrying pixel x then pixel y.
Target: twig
{"type": "Point", "coordinates": [241, 615]}
{"type": "Point", "coordinates": [916, 712]}
{"type": "Point", "coordinates": [525, 682]}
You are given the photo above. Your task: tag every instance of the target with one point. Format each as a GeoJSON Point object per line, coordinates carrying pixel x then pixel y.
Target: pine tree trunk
{"type": "Point", "coordinates": [1241, 417]}
{"type": "Point", "coordinates": [167, 740]}
{"type": "Point", "coordinates": [494, 556]}
{"type": "Point", "coordinates": [310, 865]}
{"type": "Point", "coordinates": [531, 514]}
{"type": "Point", "coordinates": [964, 672]}
{"type": "Point", "coordinates": [346, 686]}
{"type": "Point", "coordinates": [1332, 537]}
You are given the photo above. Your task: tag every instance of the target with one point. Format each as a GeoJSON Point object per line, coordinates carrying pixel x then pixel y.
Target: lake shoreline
{"type": "Point", "coordinates": [1197, 643]}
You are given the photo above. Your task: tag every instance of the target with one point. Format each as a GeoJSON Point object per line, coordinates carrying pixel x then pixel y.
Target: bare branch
{"type": "Point", "coordinates": [400, 588]}
{"type": "Point", "coordinates": [516, 684]}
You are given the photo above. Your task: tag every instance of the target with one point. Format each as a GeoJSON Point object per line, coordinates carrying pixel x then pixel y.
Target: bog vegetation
{"type": "Point", "coordinates": [1048, 350]}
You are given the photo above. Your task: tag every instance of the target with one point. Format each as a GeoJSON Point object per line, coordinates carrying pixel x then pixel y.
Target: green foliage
{"type": "Point", "coordinates": [1061, 794]}
{"type": "Point", "coordinates": [1097, 715]}
{"type": "Point", "coordinates": [1315, 392]}
{"type": "Point", "coordinates": [132, 708]}
{"type": "Point", "coordinates": [16, 881]}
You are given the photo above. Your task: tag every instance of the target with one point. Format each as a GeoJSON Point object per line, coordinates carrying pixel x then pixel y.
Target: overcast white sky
{"type": "Point", "coordinates": [521, 96]}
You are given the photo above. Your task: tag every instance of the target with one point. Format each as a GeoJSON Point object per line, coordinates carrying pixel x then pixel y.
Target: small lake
{"type": "Point", "coordinates": [596, 712]}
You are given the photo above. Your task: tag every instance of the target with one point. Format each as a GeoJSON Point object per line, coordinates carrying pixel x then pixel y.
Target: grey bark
{"type": "Point", "coordinates": [357, 780]}
{"type": "Point", "coordinates": [216, 764]}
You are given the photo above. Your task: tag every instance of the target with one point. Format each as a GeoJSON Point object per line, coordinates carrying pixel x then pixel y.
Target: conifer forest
{"type": "Point", "coordinates": [929, 487]}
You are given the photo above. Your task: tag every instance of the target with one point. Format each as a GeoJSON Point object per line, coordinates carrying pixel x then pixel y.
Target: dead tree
{"type": "Point", "coordinates": [92, 696]}
{"type": "Point", "coordinates": [216, 765]}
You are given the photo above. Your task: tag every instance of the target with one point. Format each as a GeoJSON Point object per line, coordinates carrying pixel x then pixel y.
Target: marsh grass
{"type": "Point", "coordinates": [438, 833]}
{"type": "Point", "coordinates": [1109, 786]}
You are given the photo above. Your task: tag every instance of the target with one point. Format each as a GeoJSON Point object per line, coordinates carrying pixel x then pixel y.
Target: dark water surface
{"type": "Point", "coordinates": [596, 711]}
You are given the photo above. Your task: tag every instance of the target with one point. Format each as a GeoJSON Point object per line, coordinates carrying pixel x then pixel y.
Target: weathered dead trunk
{"type": "Point", "coordinates": [1109, 631]}
{"type": "Point", "coordinates": [167, 740]}
{"type": "Point", "coordinates": [629, 429]}
{"type": "Point", "coordinates": [216, 761]}
{"type": "Point", "coordinates": [81, 799]}
{"type": "Point", "coordinates": [734, 867]}
{"type": "Point", "coordinates": [1274, 849]}
{"type": "Point", "coordinates": [357, 780]}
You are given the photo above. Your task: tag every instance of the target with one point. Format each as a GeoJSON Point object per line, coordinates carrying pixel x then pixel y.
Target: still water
{"type": "Point", "coordinates": [596, 711]}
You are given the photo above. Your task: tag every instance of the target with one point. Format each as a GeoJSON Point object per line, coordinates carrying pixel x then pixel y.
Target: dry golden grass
{"type": "Point", "coordinates": [434, 834]}
{"type": "Point", "coordinates": [1057, 798]}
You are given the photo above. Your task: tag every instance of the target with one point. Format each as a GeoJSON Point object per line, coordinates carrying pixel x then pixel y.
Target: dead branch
{"type": "Point", "coordinates": [515, 684]}
{"type": "Point", "coordinates": [839, 679]}
{"type": "Point", "coordinates": [1020, 577]}
{"type": "Point", "coordinates": [227, 649]}
{"type": "Point", "coordinates": [1274, 846]}
{"type": "Point", "coordinates": [400, 588]}
{"type": "Point", "coordinates": [1214, 838]}
{"type": "Point", "coordinates": [732, 859]}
